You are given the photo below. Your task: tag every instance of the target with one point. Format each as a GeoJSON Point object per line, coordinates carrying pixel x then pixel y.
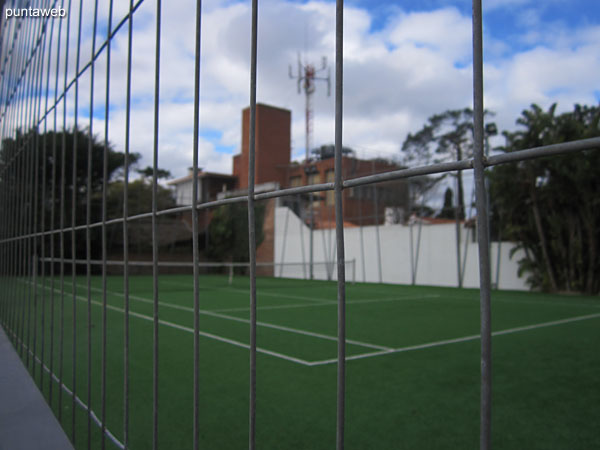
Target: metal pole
{"type": "Point", "coordinates": [62, 220]}
{"type": "Point", "coordinates": [339, 225]}
{"type": "Point", "coordinates": [155, 230]}
{"type": "Point", "coordinates": [195, 254]}
{"type": "Point", "coordinates": [457, 213]}
{"type": "Point", "coordinates": [103, 382]}
{"type": "Point", "coordinates": [251, 228]}
{"type": "Point", "coordinates": [126, 349]}
{"type": "Point", "coordinates": [53, 210]}
{"type": "Point", "coordinates": [482, 235]}
{"type": "Point", "coordinates": [88, 231]}
{"type": "Point", "coordinates": [42, 195]}
{"type": "Point", "coordinates": [378, 240]}
{"type": "Point", "coordinates": [73, 233]}
{"type": "Point", "coordinates": [285, 229]}
{"type": "Point", "coordinates": [311, 236]}
{"type": "Point", "coordinates": [362, 241]}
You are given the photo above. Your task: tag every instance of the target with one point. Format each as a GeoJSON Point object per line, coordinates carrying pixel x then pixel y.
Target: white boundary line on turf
{"type": "Point", "coordinates": [460, 339]}
{"type": "Point", "coordinates": [191, 330]}
{"type": "Point", "coordinates": [528, 302]}
{"type": "Point", "coordinates": [411, 297]}
{"type": "Point", "coordinates": [318, 300]}
{"type": "Point", "coordinates": [272, 294]}
{"type": "Point", "coordinates": [348, 302]}
{"type": "Point", "coordinates": [239, 319]}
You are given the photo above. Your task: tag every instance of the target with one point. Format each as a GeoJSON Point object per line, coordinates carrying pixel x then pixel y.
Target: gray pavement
{"type": "Point", "coordinates": [26, 421]}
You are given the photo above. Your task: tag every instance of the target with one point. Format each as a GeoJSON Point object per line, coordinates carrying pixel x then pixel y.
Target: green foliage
{"type": "Point", "coordinates": [139, 195]}
{"type": "Point", "coordinates": [51, 156]}
{"type": "Point", "coordinates": [448, 210]}
{"type": "Point", "coordinates": [148, 172]}
{"type": "Point", "coordinates": [551, 206]}
{"type": "Point", "coordinates": [228, 231]}
{"type": "Point", "coordinates": [445, 137]}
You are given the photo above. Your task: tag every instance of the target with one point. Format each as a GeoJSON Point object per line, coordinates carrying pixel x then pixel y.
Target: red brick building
{"type": "Point", "coordinates": [366, 205]}
{"type": "Point", "coordinates": [362, 206]}
{"type": "Point", "coordinates": [272, 146]}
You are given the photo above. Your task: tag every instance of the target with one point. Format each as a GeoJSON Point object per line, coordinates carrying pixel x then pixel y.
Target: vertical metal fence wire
{"type": "Point", "coordinates": [339, 224]}
{"type": "Point", "coordinates": [28, 216]}
{"type": "Point", "coordinates": [45, 93]}
{"type": "Point", "coordinates": [34, 174]}
{"type": "Point", "coordinates": [154, 227]}
{"type": "Point", "coordinates": [252, 226]}
{"type": "Point", "coordinates": [63, 208]}
{"type": "Point", "coordinates": [73, 225]}
{"type": "Point", "coordinates": [103, 385]}
{"type": "Point", "coordinates": [21, 203]}
{"type": "Point", "coordinates": [28, 202]}
{"type": "Point", "coordinates": [53, 194]}
{"type": "Point", "coordinates": [39, 212]}
{"type": "Point", "coordinates": [15, 163]}
{"type": "Point", "coordinates": [20, 195]}
{"type": "Point", "coordinates": [88, 229]}
{"type": "Point", "coordinates": [483, 234]}
{"type": "Point", "coordinates": [195, 250]}
{"type": "Point", "coordinates": [37, 296]}
{"type": "Point", "coordinates": [28, 199]}
{"type": "Point", "coordinates": [126, 234]}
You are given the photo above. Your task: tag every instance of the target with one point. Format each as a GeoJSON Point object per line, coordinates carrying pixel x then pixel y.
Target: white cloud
{"type": "Point", "coordinates": [444, 32]}
{"type": "Point", "coordinates": [394, 78]}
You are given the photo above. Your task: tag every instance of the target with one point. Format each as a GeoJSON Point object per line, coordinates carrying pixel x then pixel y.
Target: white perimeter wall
{"type": "Point", "coordinates": [437, 260]}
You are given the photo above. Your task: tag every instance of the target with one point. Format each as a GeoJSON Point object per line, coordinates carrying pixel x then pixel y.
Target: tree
{"type": "Point", "coordinates": [139, 195]}
{"type": "Point", "coordinates": [448, 211]}
{"type": "Point", "coordinates": [445, 137]}
{"type": "Point", "coordinates": [148, 173]}
{"type": "Point", "coordinates": [551, 206]}
{"type": "Point", "coordinates": [45, 152]}
{"type": "Point", "coordinates": [228, 231]}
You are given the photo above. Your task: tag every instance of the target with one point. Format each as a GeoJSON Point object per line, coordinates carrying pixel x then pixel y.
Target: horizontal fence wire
{"type": "Point", "coordinates": [42, 71]}
{"type": "Point", "coordinates": [466, 164]}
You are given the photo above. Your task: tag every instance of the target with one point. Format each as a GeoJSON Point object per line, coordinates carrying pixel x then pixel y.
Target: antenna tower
{"type": "Point", "coordinates": [306, 76]}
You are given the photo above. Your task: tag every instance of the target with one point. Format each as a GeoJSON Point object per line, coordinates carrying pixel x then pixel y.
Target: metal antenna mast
{"type": "Point", "coordinates": [306, 76]}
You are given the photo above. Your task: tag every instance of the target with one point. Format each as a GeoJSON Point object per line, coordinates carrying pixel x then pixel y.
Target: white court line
{"type": "Point", "coordinates": [293, 297]}
{"type": "Point", "coordinates": [319, 300]}
{"type": "Point", "coordinates": [239, 319]}
{"type": "Point", "coordinates": [348, 302]}
{"type": "Point", "coordinates": [383, 350]}
{"type": "Point", "coordinates": [272, 294]}
{"type": "Point", "coordinates": [523, 301]}
{"type": "Point", "coordinates": [458, 340]}
{"type": "Point", "coordinates": [546, 302]}
{"type": "Point", "coordinates": [191, 330]}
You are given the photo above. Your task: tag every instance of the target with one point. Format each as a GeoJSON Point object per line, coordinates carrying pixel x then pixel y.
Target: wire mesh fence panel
{"type": "Point", "coordinates": [111, 287]}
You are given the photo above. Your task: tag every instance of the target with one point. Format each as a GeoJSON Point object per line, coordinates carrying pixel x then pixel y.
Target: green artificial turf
{"type": "Point", "coordinates": [546, 388]}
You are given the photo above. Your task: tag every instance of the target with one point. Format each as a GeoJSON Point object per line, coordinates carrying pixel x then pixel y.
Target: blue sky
{"type": "Point", "coordinates": [404, 61]}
